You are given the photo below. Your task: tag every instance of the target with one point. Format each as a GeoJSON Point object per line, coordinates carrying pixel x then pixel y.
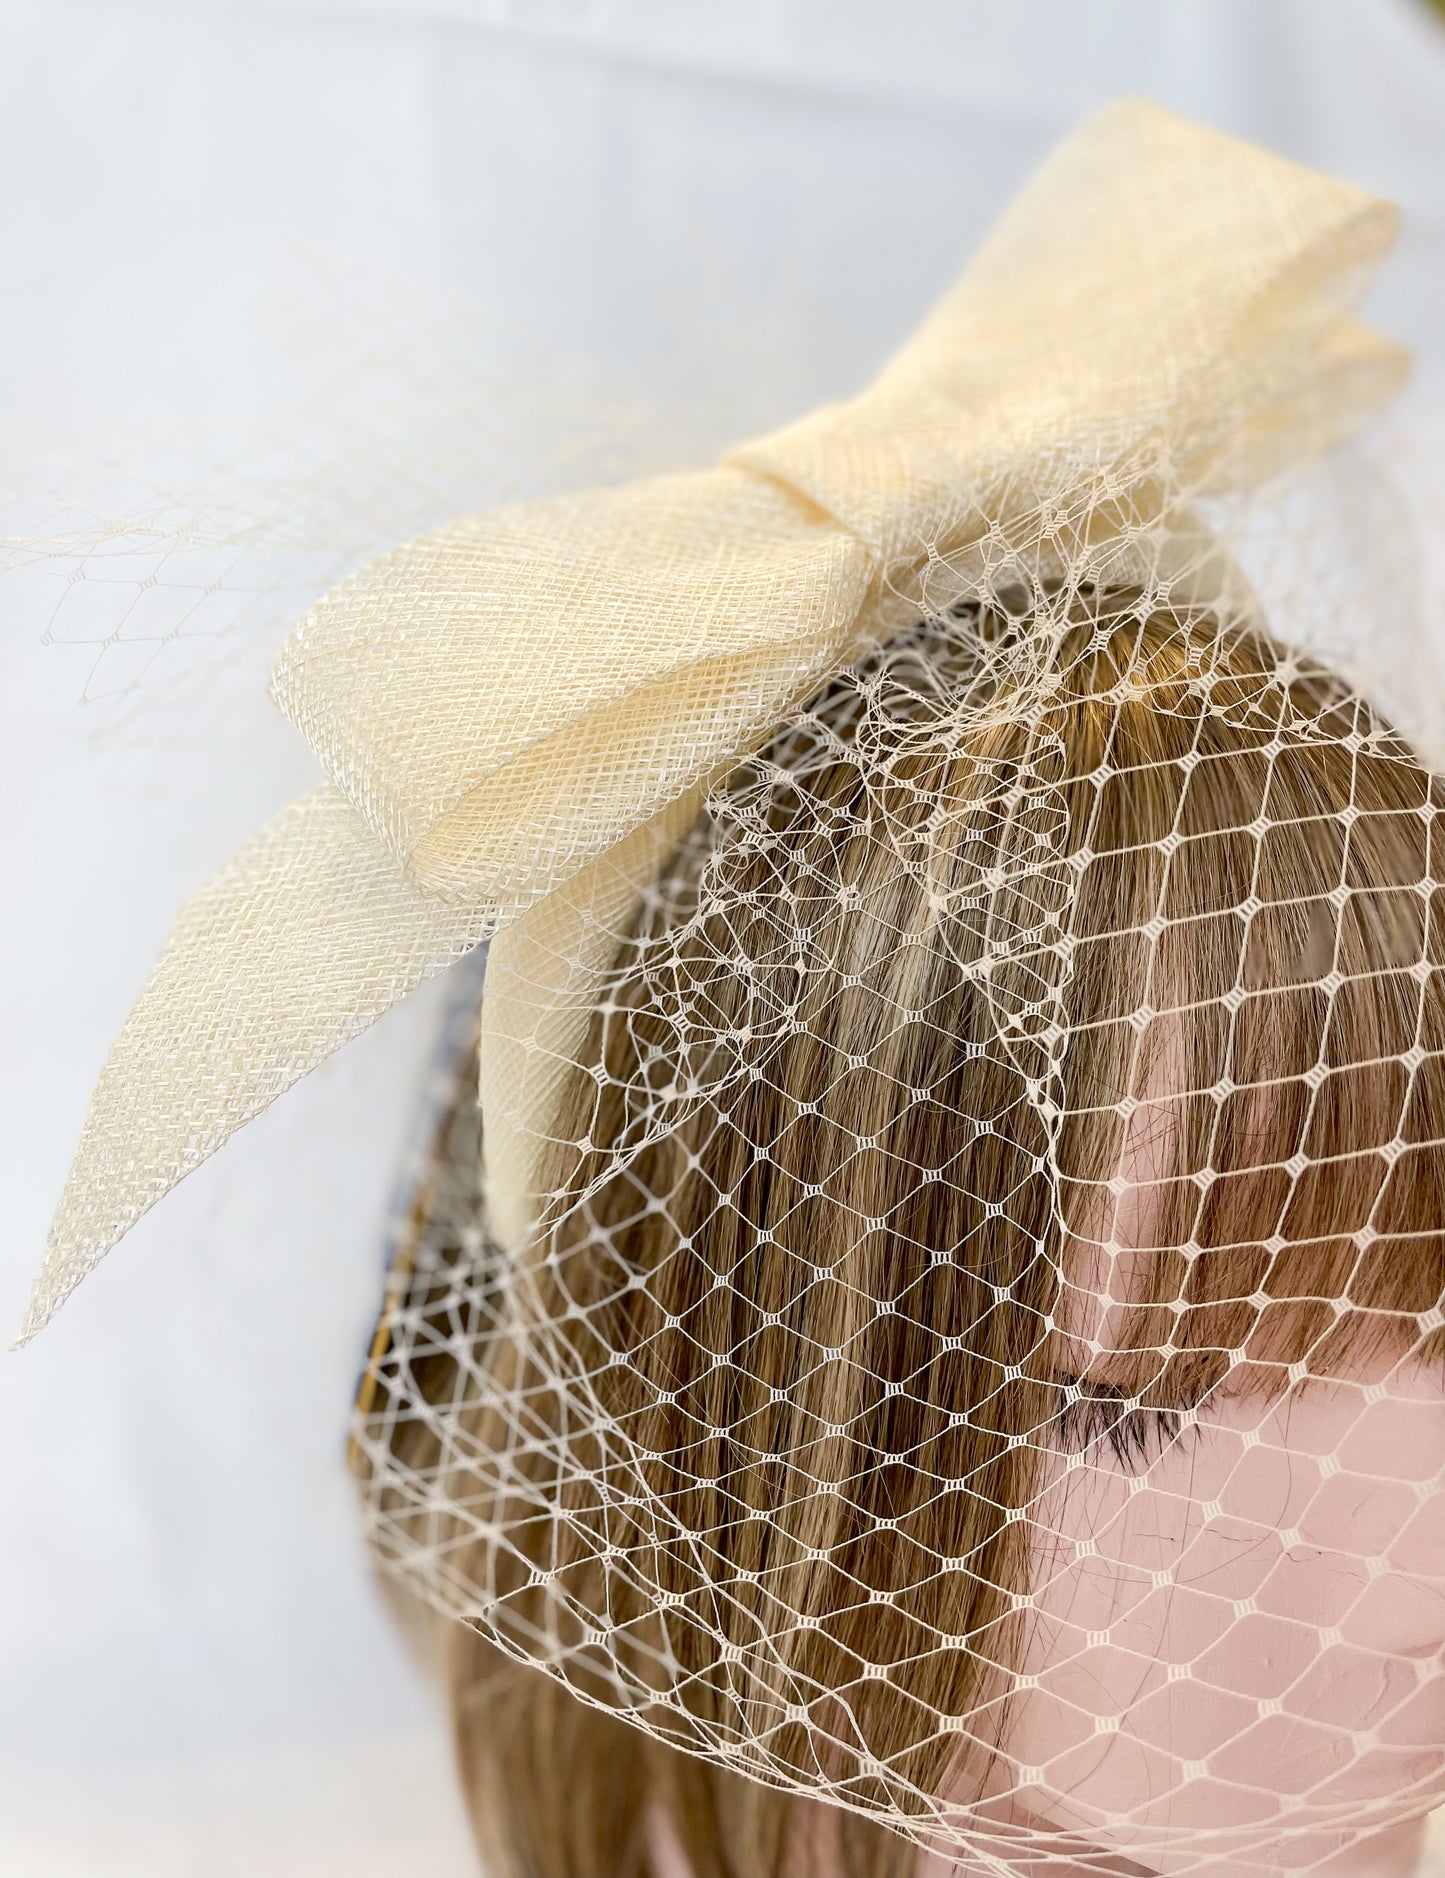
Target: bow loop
{"type": "Point", "coordinates": [1162, 310]}
{"type": "Point", "coordinates": [511, 695]}
{"type": "Point", "coordinates": [516, 712]}
{"type": "Point", "coordinates": [1157, 299]}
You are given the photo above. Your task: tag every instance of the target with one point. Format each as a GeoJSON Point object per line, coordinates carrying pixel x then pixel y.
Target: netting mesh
{"type": "Point", "coordinates": [932, 1301]}
{"type": "Point", "coordinates": [979, 1360]}
{"type": "Point", "coordinates": [148, 580]}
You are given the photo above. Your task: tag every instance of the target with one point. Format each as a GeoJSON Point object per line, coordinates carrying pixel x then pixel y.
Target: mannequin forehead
{"type": "Point", "coordinates": [1248, 1636]}
{"type": "Point", "coordinates": [1331, 1485]}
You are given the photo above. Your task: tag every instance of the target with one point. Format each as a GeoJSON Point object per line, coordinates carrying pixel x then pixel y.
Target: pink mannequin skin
{"type": "Point", "coordinates": [1238, 1635]}
{"type": "Point", "coordinates": [1238, 1638]}
{"type": "Point", "coordinates": [1267, 1671]}
{"type": "Point", "coordinates": [1240, 1650]}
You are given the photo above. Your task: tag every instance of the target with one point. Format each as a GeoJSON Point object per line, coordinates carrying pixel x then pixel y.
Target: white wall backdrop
{"type": "Point", "coordinates": [428, 246]}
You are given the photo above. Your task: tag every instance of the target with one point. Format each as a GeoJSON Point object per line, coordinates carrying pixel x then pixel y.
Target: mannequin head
{"type": "Point", "coordinates": [1009, 1341]}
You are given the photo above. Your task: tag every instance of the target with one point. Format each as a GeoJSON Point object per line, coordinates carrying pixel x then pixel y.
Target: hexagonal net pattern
{"type": "Point", "coordinates": [976, 1356]}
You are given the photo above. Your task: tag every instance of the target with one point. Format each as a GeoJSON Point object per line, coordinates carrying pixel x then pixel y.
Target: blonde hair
{"type": "Point", "coordinates": [1236, 913]}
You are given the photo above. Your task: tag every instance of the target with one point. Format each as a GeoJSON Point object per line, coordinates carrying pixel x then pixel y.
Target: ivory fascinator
{"type": "Point", "coordinates": [518, 714]}
{"type": "Point", "coordinates": [961, 1057]}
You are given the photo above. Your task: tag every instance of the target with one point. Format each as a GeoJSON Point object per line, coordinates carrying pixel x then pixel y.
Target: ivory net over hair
{"type": "Point", "coordinates": [929, 1296]}
{"type": "Point", "coordinates": [992, 1255]}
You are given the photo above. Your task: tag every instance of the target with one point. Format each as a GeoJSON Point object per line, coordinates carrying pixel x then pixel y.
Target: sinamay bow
{"type": "Point", "coordinates": [529, 700]}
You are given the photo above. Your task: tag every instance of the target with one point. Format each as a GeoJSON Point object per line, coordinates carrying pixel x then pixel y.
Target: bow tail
{"type": "Point", "coordinates": [544, 973]}
{"type": "Point", "coordinates": [307, 935]}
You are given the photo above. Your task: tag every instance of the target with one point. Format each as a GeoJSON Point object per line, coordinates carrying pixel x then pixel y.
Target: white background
{"type": "Point", "coordinates": [441, 235]}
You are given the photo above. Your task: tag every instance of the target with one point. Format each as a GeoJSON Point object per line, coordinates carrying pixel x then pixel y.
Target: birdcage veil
{"type": "Point", "coordinates": [950, 1199]}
